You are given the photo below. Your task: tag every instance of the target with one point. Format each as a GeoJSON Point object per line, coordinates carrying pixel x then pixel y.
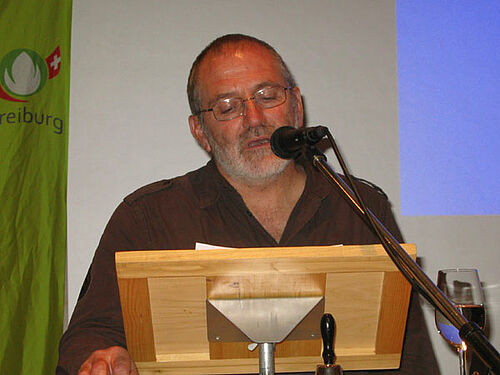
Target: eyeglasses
{"type": "Point", "coordinates": [229, 108]}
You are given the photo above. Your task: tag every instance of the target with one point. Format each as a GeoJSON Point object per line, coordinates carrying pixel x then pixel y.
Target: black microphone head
{"type": "Point", "coordinates": [286, 142]}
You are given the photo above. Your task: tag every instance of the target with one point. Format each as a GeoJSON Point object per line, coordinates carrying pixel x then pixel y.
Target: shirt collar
{"type": "Point", "coordinates": [209, 184]}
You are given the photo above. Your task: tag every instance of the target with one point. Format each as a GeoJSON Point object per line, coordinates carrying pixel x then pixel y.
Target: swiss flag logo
{"type": "Point", "coordinates": [54, 62]}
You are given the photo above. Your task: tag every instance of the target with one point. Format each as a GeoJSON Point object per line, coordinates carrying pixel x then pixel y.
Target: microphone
{"type": "Point", "coordinates": [287, 141]}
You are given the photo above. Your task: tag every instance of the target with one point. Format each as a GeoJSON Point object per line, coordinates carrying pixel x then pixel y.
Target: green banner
{"type": "Point", "coordinates": [34, 105]}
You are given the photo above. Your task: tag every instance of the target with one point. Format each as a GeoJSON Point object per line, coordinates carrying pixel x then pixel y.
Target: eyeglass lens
{"type": "Point", "coordinates": [268, 97]}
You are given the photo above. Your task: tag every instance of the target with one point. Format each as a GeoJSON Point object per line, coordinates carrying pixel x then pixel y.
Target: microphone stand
{"type": "Point", "coordinates": [468, 331]}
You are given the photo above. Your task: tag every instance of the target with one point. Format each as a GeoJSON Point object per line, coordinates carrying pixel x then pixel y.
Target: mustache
{"type": "Point", "coordinates": [262, 130]}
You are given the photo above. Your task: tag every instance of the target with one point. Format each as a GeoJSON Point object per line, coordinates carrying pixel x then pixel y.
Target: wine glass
{"type": "Point", "coordinates": [463, 288]}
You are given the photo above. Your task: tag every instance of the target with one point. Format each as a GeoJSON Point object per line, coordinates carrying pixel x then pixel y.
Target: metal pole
{"type": "Point", "coordinates": [469, 331]}
{"type": "Point", "coordinates": [266, 359]}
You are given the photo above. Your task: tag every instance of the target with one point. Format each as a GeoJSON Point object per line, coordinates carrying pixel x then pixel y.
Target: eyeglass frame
{"type": "Point", "coordinates": [285, 89]}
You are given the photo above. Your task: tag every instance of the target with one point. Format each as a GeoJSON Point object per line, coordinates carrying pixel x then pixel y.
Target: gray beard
{"type": "Point", "coordinates": [248, 167]}
{"type": "Point", "coordinates": [235, 164]}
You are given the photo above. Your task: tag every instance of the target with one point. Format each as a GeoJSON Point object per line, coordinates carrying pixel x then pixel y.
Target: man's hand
{"type": "Point", "coordinates": [114, 360]}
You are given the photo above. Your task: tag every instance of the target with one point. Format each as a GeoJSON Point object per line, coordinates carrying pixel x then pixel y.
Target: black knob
{"type": "Point", "coordinates": [328, 333]}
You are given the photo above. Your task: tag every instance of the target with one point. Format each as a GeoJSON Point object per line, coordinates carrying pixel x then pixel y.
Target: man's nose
{"type": "Point", "coordinates": [252, 114]}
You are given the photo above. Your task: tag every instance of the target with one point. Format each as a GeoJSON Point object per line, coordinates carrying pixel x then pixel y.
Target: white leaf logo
{"type": "Point", "coordinates": [26, 76]}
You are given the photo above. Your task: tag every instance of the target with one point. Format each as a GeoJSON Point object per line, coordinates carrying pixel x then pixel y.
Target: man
{"type": "Point", "coordinates": [240, 91]}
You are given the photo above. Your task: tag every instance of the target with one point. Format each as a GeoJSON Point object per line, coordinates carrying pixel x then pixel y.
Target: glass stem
{"type": "Point", "coordinates": [461, 359]}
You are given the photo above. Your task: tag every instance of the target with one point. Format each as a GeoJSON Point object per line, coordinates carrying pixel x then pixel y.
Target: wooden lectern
{"type": "Point", "coordinates": [167, 318]}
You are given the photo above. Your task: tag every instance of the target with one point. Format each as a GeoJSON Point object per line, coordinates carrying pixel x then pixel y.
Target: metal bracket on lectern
{"type": "Point", "coordinates": [266, 321]}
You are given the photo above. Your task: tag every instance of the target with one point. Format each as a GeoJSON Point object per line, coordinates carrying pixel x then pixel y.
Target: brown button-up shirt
{"type": "Point", "coordinates": [203, 207]}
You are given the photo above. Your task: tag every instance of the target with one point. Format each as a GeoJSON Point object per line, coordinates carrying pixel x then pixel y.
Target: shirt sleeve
{"type": "Point", "coordinates": [97, 320]}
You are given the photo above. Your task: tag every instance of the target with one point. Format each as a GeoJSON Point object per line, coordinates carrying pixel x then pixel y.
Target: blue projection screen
{"type": "Point", "coordinates": [448, 72]}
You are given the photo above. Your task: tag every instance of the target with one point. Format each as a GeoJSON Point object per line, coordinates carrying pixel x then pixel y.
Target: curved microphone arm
{"type": "Point", "coordinates": [469, 331]}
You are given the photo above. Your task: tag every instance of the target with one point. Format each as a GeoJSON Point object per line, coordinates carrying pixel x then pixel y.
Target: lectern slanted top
{"type": "Point", "coordinates": [171, 329]}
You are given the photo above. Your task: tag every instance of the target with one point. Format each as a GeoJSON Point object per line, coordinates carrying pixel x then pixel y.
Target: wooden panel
{"type": "Point", "coordinates": [354, 301]}
{"type": "Point", "coordinates": [292, 348]}
{"type": "Point", "coordinates": [265, 286]}
{"type": "Point", "coordinates": [251, 365]}
{"type": "Point", "coordinates": [392, 320]}
{"type": "Point", "coordinates": [320, 259]}
{"type": "Point", "coordinates": [136, 310]}
{"type": "Point", "coordinates": [353, 286]}
{"type": "Point", "coordinates": [179, 317]}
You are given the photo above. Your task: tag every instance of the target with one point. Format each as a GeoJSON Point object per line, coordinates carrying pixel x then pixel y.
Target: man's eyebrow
{"type": "Point", "coordinates": [225, 95]}
{"type": "Point", "coordinates": [261, 85]}
{"type": "Point", "coordinates": [234, 93]}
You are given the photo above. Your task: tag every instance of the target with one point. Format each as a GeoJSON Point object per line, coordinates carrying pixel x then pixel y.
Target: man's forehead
{"type": "Point", "coordinates": [245, 63]}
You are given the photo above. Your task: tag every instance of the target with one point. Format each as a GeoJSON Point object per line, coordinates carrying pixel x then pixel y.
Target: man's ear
{"type": "Point", "coordinates": [300, 107]}
{"type": "Point", "coordinates": [198, 133]}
